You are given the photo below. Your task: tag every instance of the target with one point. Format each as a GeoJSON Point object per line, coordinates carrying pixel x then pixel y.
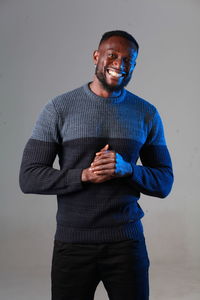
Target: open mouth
{"type": "Point", "coordinates": [115, 73]}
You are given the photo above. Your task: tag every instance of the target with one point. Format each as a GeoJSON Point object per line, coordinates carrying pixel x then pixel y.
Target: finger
{"type": "Point", "coordinates": [106, 153]}
{"type": "Point", "coordinates": [103, 157]}
{"type": "Point", "coordinates": [103, 167]}
{"type": "Point", "coordinates": [102, 161]}
{"type": "Point", "coordinates": [105, 148]}
{"type": "Point", "coordinates": [101, 152]}
{"type": "Point", "coordinates": [109, 172]}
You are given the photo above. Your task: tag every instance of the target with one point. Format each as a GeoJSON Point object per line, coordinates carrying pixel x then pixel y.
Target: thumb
{"type": "Point", "coordinates": [105, 148]}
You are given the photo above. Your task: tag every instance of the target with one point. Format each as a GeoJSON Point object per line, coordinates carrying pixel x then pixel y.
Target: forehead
{"type": "Point", "coordinates": [119, 44]}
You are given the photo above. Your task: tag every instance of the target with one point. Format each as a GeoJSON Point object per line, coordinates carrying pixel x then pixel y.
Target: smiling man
{"type": "Point", "coordinates": [116, 60]}
{"type": "Point", "coordinates": [99, 131]}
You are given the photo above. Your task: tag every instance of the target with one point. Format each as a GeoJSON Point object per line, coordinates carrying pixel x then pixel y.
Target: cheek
{"type": "Point", "coordinates": [108, 62]}
{"type": "Point", "coordinates": [130, 71]}
{"type": "Point", "coordinates": [102, 64]}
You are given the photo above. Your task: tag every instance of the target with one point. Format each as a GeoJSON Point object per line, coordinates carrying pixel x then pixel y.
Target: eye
{"type": "Point", "coordinates": [112, 55]}
{"type": "Point", "coordinates": [128, 60]}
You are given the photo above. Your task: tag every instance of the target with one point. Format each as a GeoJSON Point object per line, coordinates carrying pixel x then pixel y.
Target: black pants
{"type": "Point", "coordinates": [121, 266]}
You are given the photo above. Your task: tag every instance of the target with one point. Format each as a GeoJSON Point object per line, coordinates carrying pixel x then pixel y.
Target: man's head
{"type": "Point", "coordinates": [121, 33]}
{"type": "Point", "coordinates": [115, 59]}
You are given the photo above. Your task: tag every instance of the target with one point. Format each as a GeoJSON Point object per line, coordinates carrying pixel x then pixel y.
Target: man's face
{"type": "Point", "coordinates": [115, 61]}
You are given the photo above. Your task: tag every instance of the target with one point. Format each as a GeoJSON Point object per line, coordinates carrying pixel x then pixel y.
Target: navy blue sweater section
{"type": "Point", "coordinates": [76, 125]}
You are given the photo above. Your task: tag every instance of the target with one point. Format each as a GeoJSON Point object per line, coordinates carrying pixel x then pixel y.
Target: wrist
{"type": "Point", "coordinates": [84, 175]}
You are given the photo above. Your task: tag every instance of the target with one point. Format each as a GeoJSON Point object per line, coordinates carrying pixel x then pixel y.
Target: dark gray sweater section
{"type": "Point", "coordinates": [76, 125]}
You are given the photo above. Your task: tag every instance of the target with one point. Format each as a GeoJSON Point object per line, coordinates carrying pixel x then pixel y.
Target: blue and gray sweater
{"type": "Point", "coordinates": [76, 125]}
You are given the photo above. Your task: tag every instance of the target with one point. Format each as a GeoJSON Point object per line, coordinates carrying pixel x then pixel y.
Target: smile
{"type": "Point", "coordinates": [115, 73]}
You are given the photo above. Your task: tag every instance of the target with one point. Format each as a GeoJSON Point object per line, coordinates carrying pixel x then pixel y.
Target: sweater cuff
{"type": "Point", "coordinates": [74, 176]}
{"type": "Point", "coordinates": [133, 170]}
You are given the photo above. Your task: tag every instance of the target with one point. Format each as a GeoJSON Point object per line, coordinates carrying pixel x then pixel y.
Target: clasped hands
{"type": "Point", "coordinates": [106, 165]}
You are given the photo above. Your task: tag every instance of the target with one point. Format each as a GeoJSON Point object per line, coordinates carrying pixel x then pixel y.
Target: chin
{"type": "Point", "coordinates": [109, 86]}
{"type": "Point", "coordinates": [116, 87]}
{"type": "Point", "coordinates": [112, 88]}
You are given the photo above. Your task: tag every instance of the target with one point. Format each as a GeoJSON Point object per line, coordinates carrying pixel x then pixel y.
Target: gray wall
{"type": "Point", "coordinates": [46, 49]}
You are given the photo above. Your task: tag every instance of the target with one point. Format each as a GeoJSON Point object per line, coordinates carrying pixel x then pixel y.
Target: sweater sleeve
{"type": "Point", "coordinates": [155, 176]}
{"type": "Point", "coordinates": [37, 175]}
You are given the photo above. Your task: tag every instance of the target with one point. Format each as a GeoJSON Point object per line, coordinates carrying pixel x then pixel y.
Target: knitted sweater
{"type": "Point", "coordinates": [76, 125]}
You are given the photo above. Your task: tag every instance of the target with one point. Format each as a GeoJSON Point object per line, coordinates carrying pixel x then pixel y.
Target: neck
{"type": "Point", "coordinates": [97, 88]}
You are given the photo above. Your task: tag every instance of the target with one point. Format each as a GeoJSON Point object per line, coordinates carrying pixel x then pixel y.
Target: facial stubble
{"type": "Point", "coordinates": [108, 87]}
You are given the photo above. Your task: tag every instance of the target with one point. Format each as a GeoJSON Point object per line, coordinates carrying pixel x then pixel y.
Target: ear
{"type": "Point", "coordinates": [95, 57]}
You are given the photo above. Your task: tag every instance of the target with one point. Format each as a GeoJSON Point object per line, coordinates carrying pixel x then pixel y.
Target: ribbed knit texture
{"type": "Point", "coordinates": [76, 125]}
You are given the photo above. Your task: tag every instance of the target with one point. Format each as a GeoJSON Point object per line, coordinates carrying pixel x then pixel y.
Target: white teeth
{"type": "Point", "coordinates": [115, 74]}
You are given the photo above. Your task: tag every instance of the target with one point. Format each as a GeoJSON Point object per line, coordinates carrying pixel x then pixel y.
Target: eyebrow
{"type": "Point", "coordinates": [131, 56]}
{"type": "Point", "coordinates": [117, 50]}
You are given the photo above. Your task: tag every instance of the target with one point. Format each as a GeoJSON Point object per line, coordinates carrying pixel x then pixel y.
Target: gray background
{"type": "Point", "coordinates": [46, 49]}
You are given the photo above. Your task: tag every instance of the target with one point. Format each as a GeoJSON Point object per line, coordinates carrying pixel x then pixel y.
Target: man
{"type": "Point", "coordinates": [99, 131]}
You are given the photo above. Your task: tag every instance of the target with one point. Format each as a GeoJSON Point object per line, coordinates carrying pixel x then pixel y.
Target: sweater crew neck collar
{"type": "Point", "coordinates": [94, 96]}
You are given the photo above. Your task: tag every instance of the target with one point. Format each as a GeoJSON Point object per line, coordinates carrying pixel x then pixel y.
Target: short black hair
{"type": "Point", "coordinates": [121, 33]}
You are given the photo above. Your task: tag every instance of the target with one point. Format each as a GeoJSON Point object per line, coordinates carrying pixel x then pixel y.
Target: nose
{"type": "Point", "coordinates": [119, 63]}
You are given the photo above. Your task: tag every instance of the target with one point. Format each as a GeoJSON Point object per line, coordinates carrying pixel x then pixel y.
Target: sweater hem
{"type": "Point", "coordinates": [132, 230]}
